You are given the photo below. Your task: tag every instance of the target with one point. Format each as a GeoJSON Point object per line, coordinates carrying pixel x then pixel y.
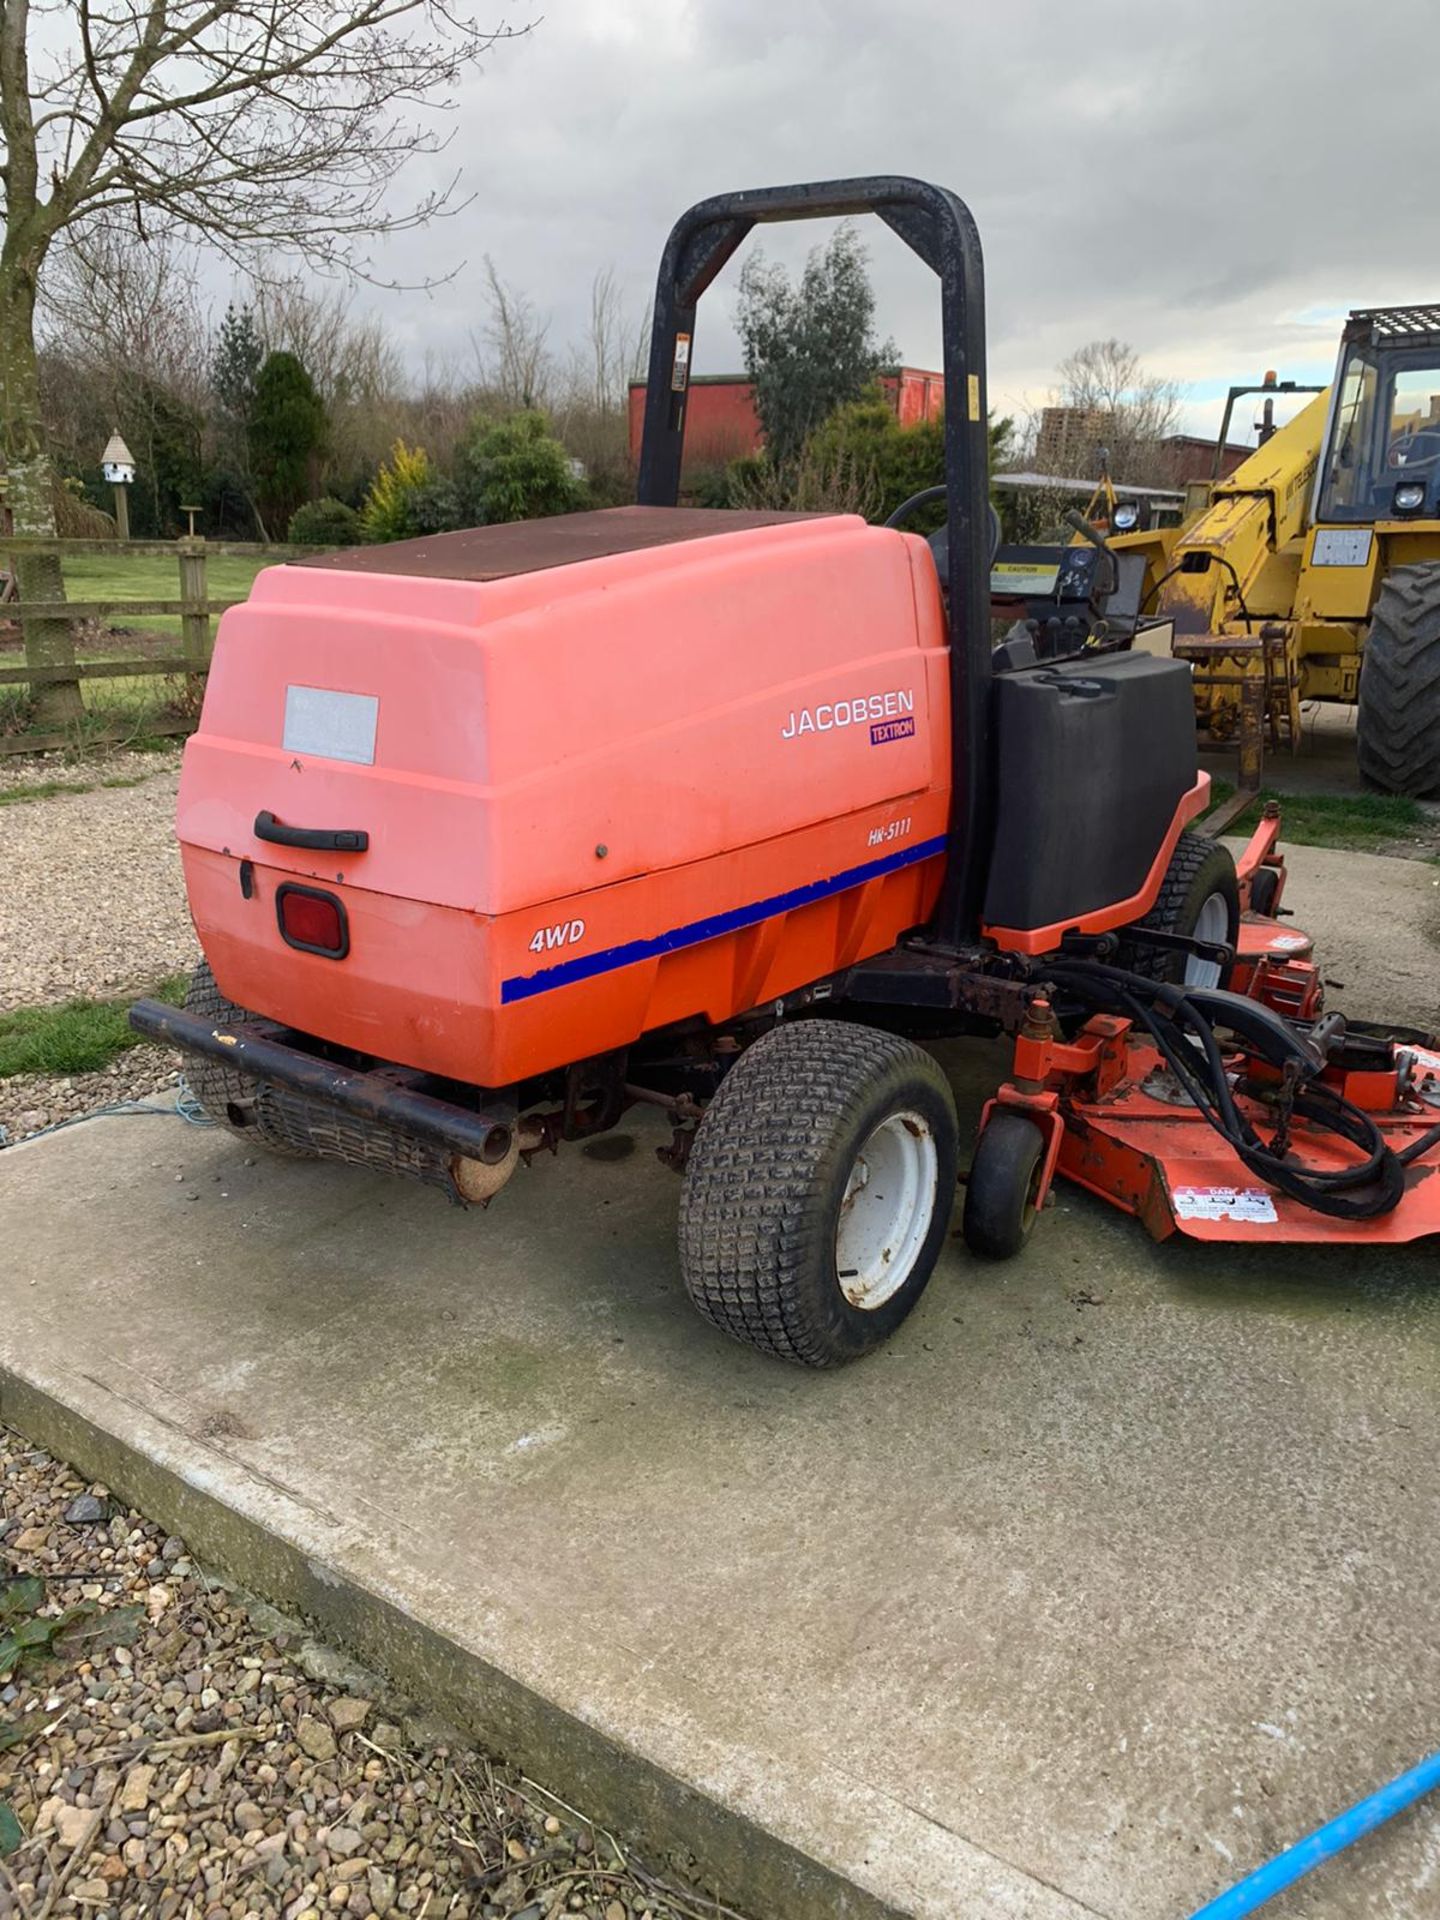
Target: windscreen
{"type": "Point", "coordinates": [1386, 431]}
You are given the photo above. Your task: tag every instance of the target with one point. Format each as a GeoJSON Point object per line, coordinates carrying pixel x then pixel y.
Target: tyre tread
{"type": "Point", "coordinates": [752, 1220]}
{"type": "Point", "coordinates": [1398, 722]}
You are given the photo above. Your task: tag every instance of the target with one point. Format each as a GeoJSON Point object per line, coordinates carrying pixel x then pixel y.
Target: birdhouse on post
{"type": "Point", "coordinates": [117, 463]}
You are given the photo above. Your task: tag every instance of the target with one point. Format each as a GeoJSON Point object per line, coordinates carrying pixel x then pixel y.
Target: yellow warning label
{"type": "Point", "coordinates": [974, 384]}
{"type": "Point", "coordinates": [1022, 576]}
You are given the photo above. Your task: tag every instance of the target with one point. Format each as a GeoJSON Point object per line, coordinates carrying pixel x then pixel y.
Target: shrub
{"type": "Point", "coordinates": [828, 480]}
{"type": "Point", "coordinates": [866, 437]}
{"type": "Point", "coordinates": [325, 523]}
{"type": "Point", "coordinates": [389, 509]}
{"type": "Point", "coordinates": [706, 484]}
{"type": "Point", "coordinates": [515, 470]}
{"type": "Point", "coordinates": [435, 507]}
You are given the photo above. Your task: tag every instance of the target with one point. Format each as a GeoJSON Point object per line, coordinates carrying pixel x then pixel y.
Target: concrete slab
{"type": "Point", "coordinates": [1114, 1573]}
{"type": "Point", "coordinates": [1376, 923]}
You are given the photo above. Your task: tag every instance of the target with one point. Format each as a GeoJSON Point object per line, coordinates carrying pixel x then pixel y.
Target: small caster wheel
{"type": "Point", "coordinates": [1264, 891]}
{"type": "Point", "coordinates": [1004, 1181]}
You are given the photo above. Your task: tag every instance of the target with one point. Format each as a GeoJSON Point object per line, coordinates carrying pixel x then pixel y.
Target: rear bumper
{"type": "Point", "coordinates": [384, 1097]}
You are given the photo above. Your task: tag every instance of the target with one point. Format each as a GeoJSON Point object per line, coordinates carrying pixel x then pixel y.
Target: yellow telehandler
{"type": "Point", "coordinates": [1313, 571]}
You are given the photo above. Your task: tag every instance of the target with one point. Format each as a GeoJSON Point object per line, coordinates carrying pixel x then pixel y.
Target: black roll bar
{"type": "Point", "coordinates": [937, 225]}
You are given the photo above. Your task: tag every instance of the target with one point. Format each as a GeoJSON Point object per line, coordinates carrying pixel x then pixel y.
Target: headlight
{"type": "Point", "coordinates": [1126, 517]}
{"type": "Point", "coordinates": [1409, 496]}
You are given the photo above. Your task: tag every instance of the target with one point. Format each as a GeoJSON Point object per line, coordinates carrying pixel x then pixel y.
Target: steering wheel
{"type": "Point", "coordinates": [940, 539]}
{"type": "Point", "coordinates": [1399, 453]}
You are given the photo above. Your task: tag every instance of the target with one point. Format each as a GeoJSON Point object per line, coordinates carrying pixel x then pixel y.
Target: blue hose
{"type": "Point", "coordinates": [1337, 1834]}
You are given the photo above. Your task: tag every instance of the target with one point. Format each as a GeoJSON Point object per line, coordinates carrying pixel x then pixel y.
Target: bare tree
{"type": "Point", "coordinates": [110, 304]}
{"type": "Point", "coordinates": [125, 344]}
{"type": "Point", "coordinates": [511, 351]}
{"type": "Point", "coordinates": [349, 357]}
{"type": "Point", "coordinates": [265, 124]}
{"type": "Point", "coordinates": [614, 349]}
{"type": "Point", "coordinates": [1105, 399]}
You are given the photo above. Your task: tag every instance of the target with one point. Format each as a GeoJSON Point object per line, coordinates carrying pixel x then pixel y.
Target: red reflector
{"type": "Point", "coordinates": [313, 921]}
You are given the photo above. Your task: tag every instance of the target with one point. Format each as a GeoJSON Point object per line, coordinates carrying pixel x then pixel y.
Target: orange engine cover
{"type": "Point", "coordinates": [668, 781]}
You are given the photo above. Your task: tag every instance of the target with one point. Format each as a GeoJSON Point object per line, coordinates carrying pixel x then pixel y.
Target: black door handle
{"type": "Point", "coordinates": [320, 839]}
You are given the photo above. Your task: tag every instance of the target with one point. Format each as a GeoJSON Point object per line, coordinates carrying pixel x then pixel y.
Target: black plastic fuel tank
{"type": "Point", "coordinates": [1091, 757]}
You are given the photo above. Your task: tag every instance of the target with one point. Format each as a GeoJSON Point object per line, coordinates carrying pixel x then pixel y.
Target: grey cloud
{"type": "Point", "coordinates": [1193, 179]}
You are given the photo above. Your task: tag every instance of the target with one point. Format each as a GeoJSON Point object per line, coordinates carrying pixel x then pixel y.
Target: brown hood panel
{"type": "Point", "coordinates": [530, 546]}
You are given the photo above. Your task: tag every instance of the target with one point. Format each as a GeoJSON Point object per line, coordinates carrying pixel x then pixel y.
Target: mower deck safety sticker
{"type": "Point", "coordinates": [333, 726]}
{"type": "Point", "coordinates": [523, 986]}
{"type": "Point", "coordinates": [1251, 1204]}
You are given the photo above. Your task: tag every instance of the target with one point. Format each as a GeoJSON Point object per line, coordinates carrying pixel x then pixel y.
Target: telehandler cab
{"type": "Point", "coordinates": [491, 836]}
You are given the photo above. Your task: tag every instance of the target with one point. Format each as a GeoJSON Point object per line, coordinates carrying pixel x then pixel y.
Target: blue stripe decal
{"type": "Point", "coordinates": [586, 966]}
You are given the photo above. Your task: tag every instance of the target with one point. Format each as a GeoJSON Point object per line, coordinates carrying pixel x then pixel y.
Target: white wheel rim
{"type": "Point", "coordinates": [1212, 923]}
{"type": "Point", "coordinates": [885, 1215]}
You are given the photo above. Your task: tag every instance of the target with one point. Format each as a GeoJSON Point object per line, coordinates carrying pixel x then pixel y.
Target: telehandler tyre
{"type": "Point", "coordinates": [225, 1096]}
{"type": "Point", "coordinates": [1200, 898]}
{"type": "Point", "coordinates": [819, 1191]}
{"type": "Point", "coordinates": [1397, 734]}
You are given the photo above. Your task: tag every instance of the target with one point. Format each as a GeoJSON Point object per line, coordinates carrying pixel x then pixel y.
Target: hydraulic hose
{"type": "Point", "coordinates": [1286, 1868]}
{"type": "Point", "coordinates": [1178, 1023]}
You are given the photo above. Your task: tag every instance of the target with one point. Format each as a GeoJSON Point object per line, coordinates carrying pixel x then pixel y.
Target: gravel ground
{"type": "Point", "coordinates": [92, 901]}
{"type": "Point", "coordinates": [183, 1752]}
{"type": "Point", "coordinates": [30, 1102]}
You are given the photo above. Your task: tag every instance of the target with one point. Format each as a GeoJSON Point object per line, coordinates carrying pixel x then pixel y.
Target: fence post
{"type": "Point", "coordinates": [195, 615]}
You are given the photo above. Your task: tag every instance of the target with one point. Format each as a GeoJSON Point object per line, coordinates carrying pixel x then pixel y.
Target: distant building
{"type": "Point", "coordinates": [721, 422]}
{"type": "Point", "coordinates": [1190, 456]}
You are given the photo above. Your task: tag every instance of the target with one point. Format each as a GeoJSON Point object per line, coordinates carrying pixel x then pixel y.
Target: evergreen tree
{"type": "Point", "coordinates": [286, 435]}
{"type": "Point", "coordinates": [236, 367]}
{"type": "Point", "coordinates": [811, 348]}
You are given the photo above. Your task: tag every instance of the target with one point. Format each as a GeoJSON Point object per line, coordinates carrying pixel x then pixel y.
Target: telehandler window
{"type": "Point", "coordinates": [1347, 479]}
{"type": "Point", "coordinates": [1386, 429]}
{"type": "Point", "coordinates": [1414, 437]}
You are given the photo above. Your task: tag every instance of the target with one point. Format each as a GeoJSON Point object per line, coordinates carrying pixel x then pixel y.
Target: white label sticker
{"type": "Point", "coordinates": [1341, 547]}
{"type": "Point", "coordinates": [1289, 942]}
{"type": "Point", "coordinates": [333, 726]}
{"type": "Point", "coordinates": [1253, 1204]}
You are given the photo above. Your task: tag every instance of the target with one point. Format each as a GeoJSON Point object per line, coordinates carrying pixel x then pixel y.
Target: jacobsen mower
{"type": "Point", "coordinates": [492, 836]}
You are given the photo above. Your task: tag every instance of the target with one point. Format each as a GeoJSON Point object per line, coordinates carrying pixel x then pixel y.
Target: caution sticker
{"type": "Point", "coordinates": [1022, 577]}
{"type": "Point", "coordinates": [1251, 1204]}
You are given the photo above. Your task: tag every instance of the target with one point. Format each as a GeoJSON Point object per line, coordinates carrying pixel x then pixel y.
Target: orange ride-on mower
{"type": "Point", "coordinates": [491, 836]}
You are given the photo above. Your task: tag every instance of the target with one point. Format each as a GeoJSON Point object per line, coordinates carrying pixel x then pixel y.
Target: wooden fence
{"type": "Point", "coordinates": [194, 606]}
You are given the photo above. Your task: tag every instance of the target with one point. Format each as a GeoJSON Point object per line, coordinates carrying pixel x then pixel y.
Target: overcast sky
{"type": "Point", "coordinates": [1216, 183]}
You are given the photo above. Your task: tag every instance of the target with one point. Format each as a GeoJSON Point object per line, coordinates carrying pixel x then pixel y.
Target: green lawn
{"type": "Point", "coordinates": [1361, 822]}
{"type": "Point", "coordinates": [73, 1036]}
{"type": "Point", "coordinates": [156, 576]}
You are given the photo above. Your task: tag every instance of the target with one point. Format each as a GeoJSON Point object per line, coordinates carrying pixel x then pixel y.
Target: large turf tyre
{"type": "Point", "coordinates": [1199, 898]}
{"type": "Point", "coordinates": [819, 1191]}
{"type": "Point", "coordinates": [1397, 730]}
{"type": "Point", "coordinates": [1002, 1185]}
{"type": "Point", "coordinates": [224, 1095]}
